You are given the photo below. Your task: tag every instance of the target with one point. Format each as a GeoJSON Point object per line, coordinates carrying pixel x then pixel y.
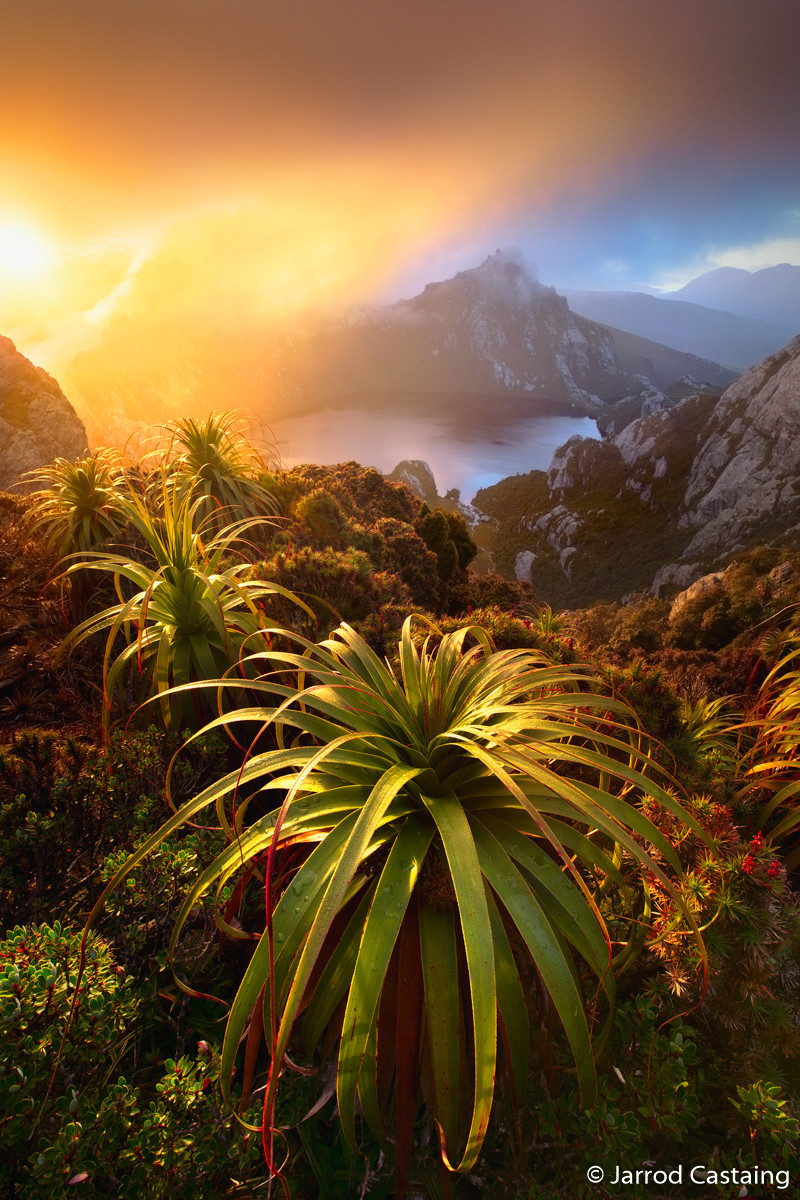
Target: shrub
{"type": "Point", "coordinates": [446, 534]}
{"type": "Point", "coordinates": [64, 805]}
{"type": "Point", "coordinates": [640, 625]}
{"type": "Point", "coordinates": [321, 519]}
{"type": "Point", "coordinates": [168, 1139]}
{"type": "Point", "coordinates": [335, 585]}
{"type": "Point", "coordinates": [667, 1102]}
{"type": "Point", "coordinates": [362, 493]}
{"type": "Point", "coordinates": [404, 553]}
{"type": "Point", "coordinates": [38, 975]}
{"type": "Point", "coordinates": [652, 1100]}
{"type": "Point", "coordinates": [751, 918]}
{"type": "Point", "coordinates": [489, 590]}
{"type": "Point", "coordinates": [645, 690]}
{"type": "Point", "coordinates": [515, 632]}
{"type": "Point", "coordinates": [140, 914]}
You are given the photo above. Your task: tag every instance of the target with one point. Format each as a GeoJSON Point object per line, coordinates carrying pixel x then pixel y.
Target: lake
{"type": "Point", "coordinates": [469, 442]}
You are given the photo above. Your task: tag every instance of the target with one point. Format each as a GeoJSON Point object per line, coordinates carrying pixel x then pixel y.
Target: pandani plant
{"type": "Point", "coordinates": [429, 840]}
{"type": "Point", "coordinates": [213, 463]}
{"type": "Point", "coordinates": [79, 509]}
{"type": "Point", "coordinates": [187, 607]}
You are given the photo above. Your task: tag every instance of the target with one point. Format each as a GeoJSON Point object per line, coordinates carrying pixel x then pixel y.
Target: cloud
{"type": "Point", "coordinates": [274, 158]}
{"type": "Point", "coordinates": [136, 111]}
{"type": "Point", "coordinates": [761, 254]}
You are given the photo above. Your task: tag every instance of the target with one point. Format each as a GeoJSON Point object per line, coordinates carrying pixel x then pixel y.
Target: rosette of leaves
{"type": "Point", "coordinates": [80, 509]}
{"type": "Point", "coordinates": [212, 463]}
{"type": "Point", "coordinates": [186, 613]}
{"type": "Point", "coordinates": [433, 849]}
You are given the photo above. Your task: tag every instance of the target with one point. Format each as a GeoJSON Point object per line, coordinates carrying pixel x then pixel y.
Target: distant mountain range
{"type": "Point", "coordinates": [771, 294]}
{"type": "Point", "coordinates": [730, 316]}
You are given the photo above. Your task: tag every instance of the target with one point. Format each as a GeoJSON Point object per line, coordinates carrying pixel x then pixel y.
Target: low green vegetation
{"type": "Point", "coordinates": [327, 861]}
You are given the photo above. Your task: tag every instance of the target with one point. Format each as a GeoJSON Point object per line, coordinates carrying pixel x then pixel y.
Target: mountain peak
{"type": "Point", "coordinates": [510, 261]}
{"type": "Point", "coordinates": [502, 278]}
{"type": "Point", "coordinates": [771, 294]}
{"type": "Point", "coordinates": [506, 266]}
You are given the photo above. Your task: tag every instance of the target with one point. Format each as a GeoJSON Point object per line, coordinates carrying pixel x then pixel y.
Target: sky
{"type": "Point", "coordinates": [160, 157]}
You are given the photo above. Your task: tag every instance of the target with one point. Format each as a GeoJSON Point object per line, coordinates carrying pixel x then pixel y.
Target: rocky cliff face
{"type": "Point", "coordinates": [747, 473]}
{"type": "Point", "coordinates": [37, 422]}
{"type": "Point", "coordinates": [672, 496]}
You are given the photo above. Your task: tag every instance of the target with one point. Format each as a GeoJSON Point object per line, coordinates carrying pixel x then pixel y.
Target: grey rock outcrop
{"type": "Point", "coordinates": [669, 499]}
{"type": "Point", "coordinates": [672, 575]}
{"type": "Point", "coordinates": [748, 469]}
{"type": "Point", "coordinates": [37, 422]}
{"type": "Point", "coordinates": [417, 475]}
{"type": "Point", "coordinates": [704, 586]}
{"type": "Point", "coordinates": [780, 577]}
{"type": "Point", "coordinates": [523, 565]}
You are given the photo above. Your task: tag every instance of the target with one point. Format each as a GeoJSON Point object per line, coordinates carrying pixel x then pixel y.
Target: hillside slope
{"type": "Point", "coordinates": [771, 294]}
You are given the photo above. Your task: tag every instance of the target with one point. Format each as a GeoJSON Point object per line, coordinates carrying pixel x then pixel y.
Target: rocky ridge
{"type": "Point", "coordinates": [660, 504]}
{"type": "Point", "coordinates": [37, 422]}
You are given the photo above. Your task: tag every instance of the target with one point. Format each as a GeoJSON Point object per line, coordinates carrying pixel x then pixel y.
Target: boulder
{"type": "Point", "coordinates": [417, 475]}
{"type": "Point", "coordinates": [714, 582]}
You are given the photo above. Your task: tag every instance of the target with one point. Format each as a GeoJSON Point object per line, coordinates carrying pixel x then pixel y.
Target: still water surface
{"type": "Point", "coordinates": [468, 442]}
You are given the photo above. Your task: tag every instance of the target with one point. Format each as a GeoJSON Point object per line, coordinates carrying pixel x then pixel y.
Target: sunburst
{"type": "Point", "coordinates": [23, 252]}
